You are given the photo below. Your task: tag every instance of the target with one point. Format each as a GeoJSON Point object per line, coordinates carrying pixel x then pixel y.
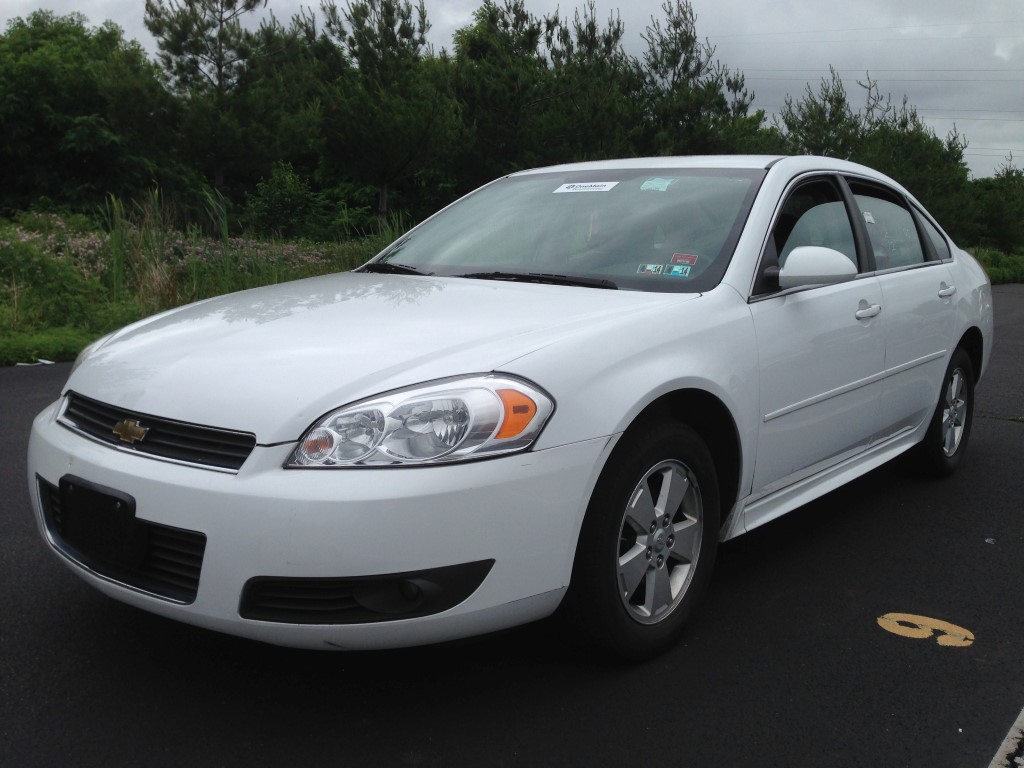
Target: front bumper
{"type": "Point", "coordinates": [523, 512]}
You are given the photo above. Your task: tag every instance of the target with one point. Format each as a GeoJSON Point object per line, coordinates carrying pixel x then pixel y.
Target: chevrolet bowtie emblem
{"type": "Point", "coordinates": [130, 431]}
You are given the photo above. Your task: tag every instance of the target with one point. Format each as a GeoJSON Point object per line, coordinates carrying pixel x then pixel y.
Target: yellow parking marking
{"type": "Point", "coordinates": [921, 627]}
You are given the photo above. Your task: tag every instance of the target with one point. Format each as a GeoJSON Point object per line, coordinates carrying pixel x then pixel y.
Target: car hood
{"type": "Point", "coordinates": [271, 360]}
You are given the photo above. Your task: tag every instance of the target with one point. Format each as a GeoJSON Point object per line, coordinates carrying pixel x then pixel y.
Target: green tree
{"type": "Point", "coordinates": [503, 85]}
{"type": "Point", "coordinates": [691, 99]}
{"type": "Point", "coordinates": [1000, 200]}
{"type": "Point", "coordinates": [83, 113]}
{"type": "Point", "coordinates": [397, 117]}
{"type": "Point", "coordinates": [595, 109]}
{"type": "Point", "coordinates": [283, 91]}
{"type": "Point", "coordinates": [204, 49]}
{"type": "Point", "coordinates": [821, 123]}
{"type": "Point", "coordinates": [202, 44]}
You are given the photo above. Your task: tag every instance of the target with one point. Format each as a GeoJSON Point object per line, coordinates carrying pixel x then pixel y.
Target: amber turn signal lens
{"type": "Point", "coordinates": [519, 412]}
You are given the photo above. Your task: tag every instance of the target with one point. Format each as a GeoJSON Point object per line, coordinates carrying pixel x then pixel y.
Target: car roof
{"type": "Point", "coordinates": [638, 163]}
{"type": "Point", "coordinates": [791, 165]}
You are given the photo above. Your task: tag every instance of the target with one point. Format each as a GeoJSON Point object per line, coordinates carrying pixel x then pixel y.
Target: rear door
{"type": "Point", "coordinates": [918, 295]}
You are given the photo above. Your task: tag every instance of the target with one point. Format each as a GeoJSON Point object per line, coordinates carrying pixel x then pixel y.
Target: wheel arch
{"type": "Point", "coordinates": [709, 417]}
{"type": "Point", "coordinates": [973, 343]}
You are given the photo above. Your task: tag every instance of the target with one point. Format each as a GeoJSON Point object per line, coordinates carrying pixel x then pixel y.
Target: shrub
{"type": "Point", "coordinates": [1001, 267]}
{"type": "Point", "coordinates": [282, 204]}
{"type": "Point", "coordinates": [50, 344]}
{"type": "Point", "coordinates": [43, 290]}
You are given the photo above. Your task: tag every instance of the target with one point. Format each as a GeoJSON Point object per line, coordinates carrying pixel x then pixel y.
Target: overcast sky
{"type": "Point", "coordinates": [958, 61]}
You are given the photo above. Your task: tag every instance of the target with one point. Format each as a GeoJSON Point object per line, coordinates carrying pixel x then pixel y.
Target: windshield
{"type": "Point", "coordinates": [653, 230]}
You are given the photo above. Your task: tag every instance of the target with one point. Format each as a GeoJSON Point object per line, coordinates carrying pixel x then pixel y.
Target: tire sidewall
{"type": "Point", "coordinates": [594, 588]}
{"type": "Point", "coordinates": [934, 458]}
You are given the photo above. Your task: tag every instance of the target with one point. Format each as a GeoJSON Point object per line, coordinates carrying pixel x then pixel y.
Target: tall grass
{"type": "Point", "coordinates": [1001, 267]}
{"type": "Point", "coordinates": [167, 265]}
{"type": "Point", "coordinates": [141, 239]}
{"type": "Point", "coordinates": [65, 281]}
{"type": "Point", "coordinates": [217, 211]}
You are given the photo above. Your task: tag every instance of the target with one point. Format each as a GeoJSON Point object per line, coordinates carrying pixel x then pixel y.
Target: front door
{"type": "Point", "coordinates": [821, 350]}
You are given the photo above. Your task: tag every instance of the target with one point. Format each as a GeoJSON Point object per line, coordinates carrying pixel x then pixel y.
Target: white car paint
{"type": "Point", "coordinates": [311, 342]}
{"type": "Point", "coordinates": [820, 375]}
{"type": "Point", "coordinates": [819, 386]}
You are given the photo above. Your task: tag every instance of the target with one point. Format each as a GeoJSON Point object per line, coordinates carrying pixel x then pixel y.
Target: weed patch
{"type": "Point", "coordinates": [1001, 267]}
{"type": "Point", "coordinates": [50, 344]}
{"type": "Point", "coordinates": [65, 282]}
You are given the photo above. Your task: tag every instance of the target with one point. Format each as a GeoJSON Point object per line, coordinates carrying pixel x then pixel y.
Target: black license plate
{"type": "Point", "coordinates": [100, 522]}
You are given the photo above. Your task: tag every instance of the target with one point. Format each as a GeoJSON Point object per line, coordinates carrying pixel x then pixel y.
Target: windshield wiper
{"type": "Point", "coordinates": [387, 268]}
{"type": "Point", "coordinates": [543, 277]}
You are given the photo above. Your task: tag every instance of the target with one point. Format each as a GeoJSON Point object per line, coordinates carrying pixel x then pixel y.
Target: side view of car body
{"type": "Point", "coordinates": [559, 393]}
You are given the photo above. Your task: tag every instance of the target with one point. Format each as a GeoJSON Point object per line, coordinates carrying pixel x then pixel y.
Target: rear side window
{"type": "Point", "coordinates": [891, 228]}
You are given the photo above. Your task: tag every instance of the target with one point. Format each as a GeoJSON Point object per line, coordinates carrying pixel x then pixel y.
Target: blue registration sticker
{"type": "Point", "coordinates": [678, 270]}
{"type": "Point", "coordinates": [649, 269]}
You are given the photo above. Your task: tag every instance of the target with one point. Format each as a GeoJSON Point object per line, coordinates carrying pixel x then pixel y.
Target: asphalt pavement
{"type": "Point", "coordinates": [792, 660]}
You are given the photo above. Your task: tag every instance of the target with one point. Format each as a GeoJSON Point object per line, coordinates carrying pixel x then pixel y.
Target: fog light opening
{"type": "Point", "coordinates": [410, 591]}
{"type": "Point", "coordinates": [395, 596]}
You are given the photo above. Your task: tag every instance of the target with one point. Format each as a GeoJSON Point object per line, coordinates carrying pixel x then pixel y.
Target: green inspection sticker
{"type": "Point", "coordinates": [657, 184]}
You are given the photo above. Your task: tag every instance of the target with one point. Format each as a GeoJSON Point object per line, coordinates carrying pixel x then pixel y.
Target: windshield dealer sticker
{"type": "Point", "coordinates": [590, 186]}
{"type": "Point", "coordinates": [649, 269]}
{"type": "Point", "coordinates": [684, 258]}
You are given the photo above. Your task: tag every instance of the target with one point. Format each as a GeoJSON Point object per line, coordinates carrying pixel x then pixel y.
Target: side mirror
{"type": "Point", "coordinates": [814, 265]}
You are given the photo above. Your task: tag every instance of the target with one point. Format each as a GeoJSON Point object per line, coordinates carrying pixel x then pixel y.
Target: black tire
{"type": "Point", "coordinates": [639, 572]}
{"type": "Point", "coordinates": [945, 442]}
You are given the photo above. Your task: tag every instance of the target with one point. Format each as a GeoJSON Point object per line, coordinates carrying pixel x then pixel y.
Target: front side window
{"type": "Point", "coordinates": [814, 214]}
{"type": "Point", "coordinates": [667, 230]}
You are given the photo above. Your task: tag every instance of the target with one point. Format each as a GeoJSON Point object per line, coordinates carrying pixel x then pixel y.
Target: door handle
{"type": "Point", "coordinates": [868, 311]}
{"type": "Point", "coordinates": [946, 291]}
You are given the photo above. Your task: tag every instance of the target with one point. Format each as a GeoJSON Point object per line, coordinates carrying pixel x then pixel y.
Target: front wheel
{"type": "Point", "coordinates": [648, 542]}
{"type": "Point", "coordinates": [945, 442]}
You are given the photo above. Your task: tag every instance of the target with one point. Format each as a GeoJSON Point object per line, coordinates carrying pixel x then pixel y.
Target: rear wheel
{"type": "Point", "coordinates": [648, 542]}
{"type": "Point", "coordinates": [945, 442]}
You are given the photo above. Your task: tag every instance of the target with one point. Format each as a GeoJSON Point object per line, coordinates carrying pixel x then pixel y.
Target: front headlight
{"type": "Point", "coordinates": [447, 421]}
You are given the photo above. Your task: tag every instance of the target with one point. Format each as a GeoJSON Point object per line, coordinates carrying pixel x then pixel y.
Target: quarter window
{"type": "Point", "coordinates": [938, 241]}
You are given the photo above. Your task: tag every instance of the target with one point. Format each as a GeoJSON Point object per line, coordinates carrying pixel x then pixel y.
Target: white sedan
{"type": "Point", "coordinates": [560, 392]}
